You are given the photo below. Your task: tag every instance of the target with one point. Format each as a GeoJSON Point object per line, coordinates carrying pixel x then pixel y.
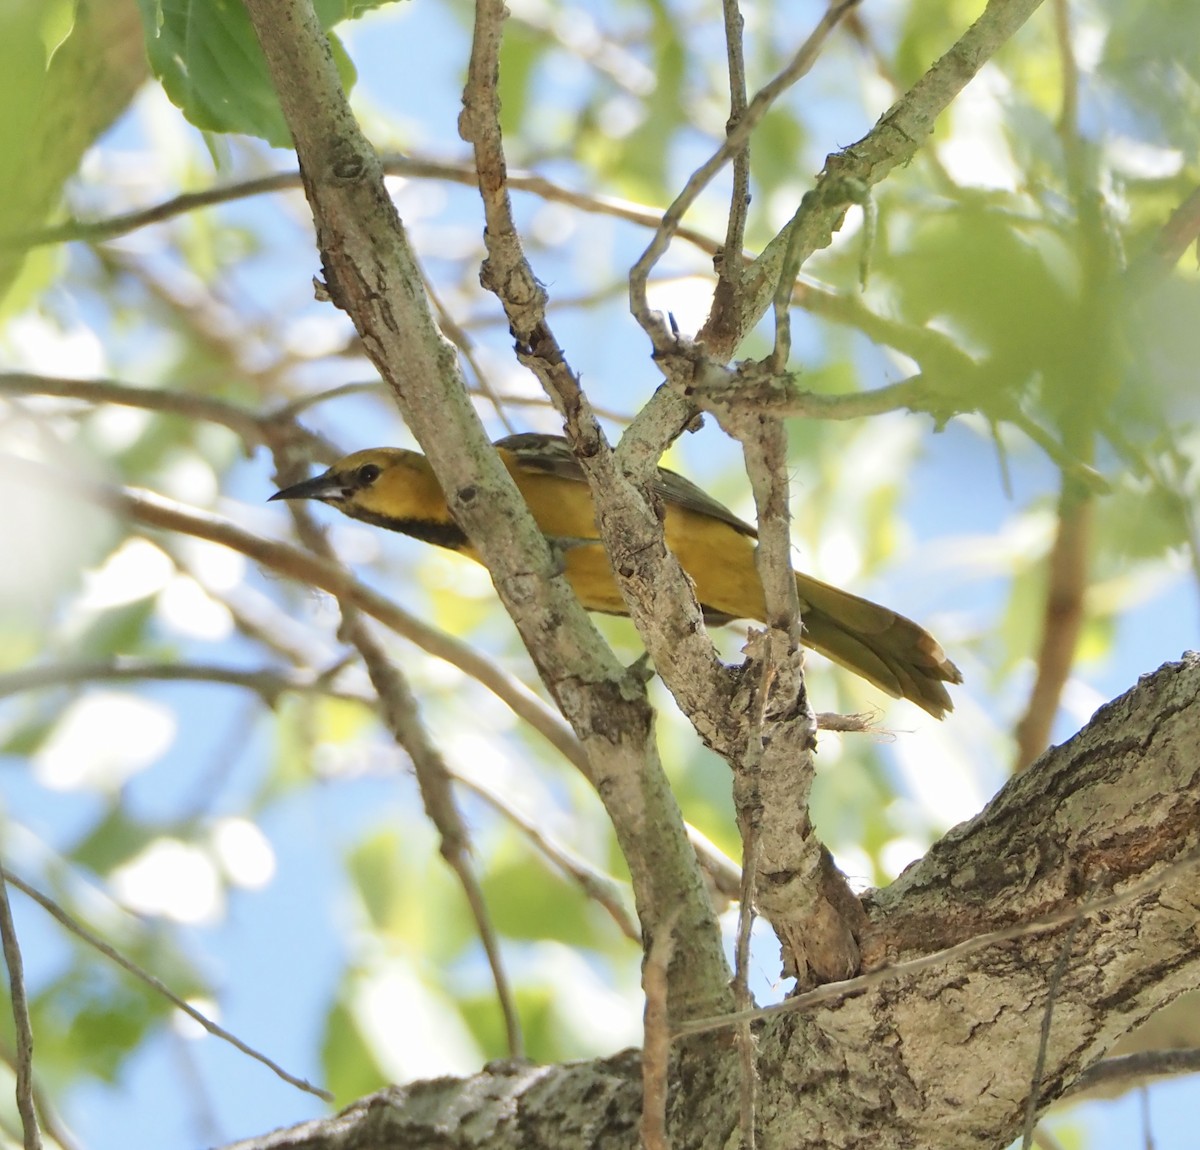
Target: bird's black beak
{"type": "Point", "coordinates": [326, 486]}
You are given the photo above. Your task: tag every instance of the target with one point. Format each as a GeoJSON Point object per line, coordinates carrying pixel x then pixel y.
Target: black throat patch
{"type": "Point", "coordinates": [447, 534]}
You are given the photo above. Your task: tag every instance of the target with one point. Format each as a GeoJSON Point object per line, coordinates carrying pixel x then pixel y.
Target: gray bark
{"type": "Point", "coordinates": [1094, 849]}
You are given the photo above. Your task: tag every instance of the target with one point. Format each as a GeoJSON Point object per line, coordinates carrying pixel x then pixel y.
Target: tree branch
{"type": "Point", "coordinates": [157, 985]}
{"type": "Point", "coordinates": [894, 1053]}
{"type": "Point", "coordinates": [21, 1025]}
{"type": "Point", "coordinates": [848, 174]}
{"type": "Point", "coordinates": [372, 275]}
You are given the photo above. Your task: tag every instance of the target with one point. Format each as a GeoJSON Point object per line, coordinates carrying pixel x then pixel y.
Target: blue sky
{"type": "Point", "coordinates": [274, 949]}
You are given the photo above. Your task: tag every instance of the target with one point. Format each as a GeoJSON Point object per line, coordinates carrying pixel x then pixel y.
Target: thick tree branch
{"type": "Point", "coordinates": [1117, 809]}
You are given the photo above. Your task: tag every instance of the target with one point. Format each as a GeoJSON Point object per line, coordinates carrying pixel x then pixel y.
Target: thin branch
{"type": "Point", "coordinates": [747, 1047]}
{"type": "Point", "coordinates": [784, 292]}
{"type": "Point", "coordinates": [51, 1123]}
{"type": "Point", "coordinates": [724, 874]}
{"type": "Point", "coordinates": [807, 901]}
{"type": "Point", "coordinates": [621, 67]}
{"type": "Point", "coordinates": [398, 707]}
{"type": "Point", "coordinates": [719, 390]}
{"type": "Point", "coordinates": [20, 1012]}
{"type": "Point", "coordinates": [266, 682]}
{"type": "Point", "coordinates": [627, 523]}
{"type": "Point", "coordinates": [292, 562]}
{"type": "Point", "coordinates": [377, 387]}
{"type": "Point", "coordinates": [598, 886]}
{"type": "Point", "coordinates": [457, 336]}
{"type": "Point", "coordinates": [1136, 1067]}
{"type": "Point", "coordinates": [97, 231]}
{"type": "Point", "coordinates": [241, 421]}
{"type": "Point", "coordinates": [734, 140]}
{"type": "Point", "coordinates": [730, 263]}
{"type": "Point", "coordinates": [1179, 233]}
{"type": "Point", "coordinates": [850, 173]}
{"type": "Point", "coordinates": [157, 985]}
{"type": "Point", "coordinates": [860, 723]}
{"type": "Point", "coordinates": [506, 272]}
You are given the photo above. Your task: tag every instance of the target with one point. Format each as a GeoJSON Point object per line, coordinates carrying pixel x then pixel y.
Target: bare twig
{"type": "Point", "coordinates": [1178, 234]}
{"type": "Point", "coordinates": [399, 709]}
{"type": "Point", "coordinates": [240, 420]}
{"type": "Point", "coordinates": [784, 292]}
{"type": "Point", "coordinates": [735, 138]}
{"type": "Point", "coordinates": [601, 887]}
{"type": "Point", "coordinates": [21, 1024]}
{"type": "Point", "coordinates": [626, 520]}
{"type": "Point", "coordinates": [850, 173]}
{"type": "Point", "coordinates": [129, 966]}
{"type": "Point", "coordinates": [394, 165]}
{"type": "Point", "coordinates": [730, 263]}
{"type": "Point", "coordinates": [457, 336]}
{"type": "Point", "coordinates": [847, 724]}
{"type": "Point", "coordinates": [1147, 1125]}
{"type": "Point", "coordinates": [775, 395]}
{"type": "Point", "coordinates": [106, 229]}
{"type": "Point", "coordinates": [743, 1000]}
{"type": "Point", "coordinates": [724, 874]}
{"type": "Point", "coordinates": [748, 801]}
{"type": "Point", "coordinates": [51, 1124]}
{"type": "Point", "coordinates": [296, 563]}
{"type": "Point", "coordinates": [266, 682]}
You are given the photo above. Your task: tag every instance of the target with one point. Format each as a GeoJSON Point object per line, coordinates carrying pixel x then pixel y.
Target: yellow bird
{"type": "Point", "coordinates": [394, 488]}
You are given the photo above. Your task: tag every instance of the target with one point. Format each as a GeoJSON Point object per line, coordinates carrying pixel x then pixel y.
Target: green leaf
{"type": "Point", "coordinates": [207, 57]}
{"type": "Point", "coordinates": [90, 1019]}
{"type": "Point", "coordinates": [115, 839]}
{"type": "Point", "coordinates": [23, 58]}
{"type": "Point", "coordinates": [528, 900]}
{"type": "Point", "coordinates": [408, 892]}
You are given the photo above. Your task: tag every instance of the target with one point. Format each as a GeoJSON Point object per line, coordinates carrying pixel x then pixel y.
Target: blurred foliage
{"type": "Point", "coordinates": [208, 60]}
{"type": "Point", "coordinates": [1005, 246]}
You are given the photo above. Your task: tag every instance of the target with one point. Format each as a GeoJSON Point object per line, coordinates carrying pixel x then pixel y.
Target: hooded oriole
{"type": "Point", "coordinates": [394, 488]}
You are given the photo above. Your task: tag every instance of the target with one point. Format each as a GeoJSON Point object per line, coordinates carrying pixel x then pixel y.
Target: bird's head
{"type": "Point", "coordinates": [382, 485]}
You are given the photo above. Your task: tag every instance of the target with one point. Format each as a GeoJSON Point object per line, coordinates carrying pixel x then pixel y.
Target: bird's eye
{"type": "Point", "coordinates": [367, 474]}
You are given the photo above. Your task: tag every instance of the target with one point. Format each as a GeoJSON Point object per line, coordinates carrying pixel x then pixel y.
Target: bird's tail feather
{"type": "Point", "coordinates": [896, 654]}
